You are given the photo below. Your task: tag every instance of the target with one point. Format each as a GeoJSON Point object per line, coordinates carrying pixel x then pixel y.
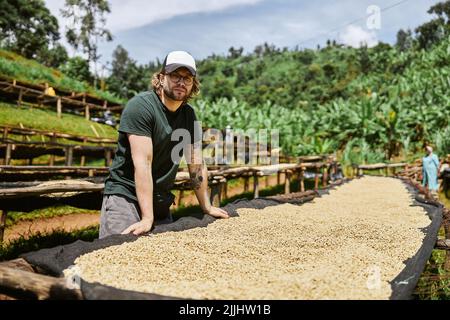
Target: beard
{"type": "Point", "coordinates": [180, 94]}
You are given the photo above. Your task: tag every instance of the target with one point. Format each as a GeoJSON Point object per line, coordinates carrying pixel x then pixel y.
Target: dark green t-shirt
{"type": "Point", "coordinates": [146, 115]}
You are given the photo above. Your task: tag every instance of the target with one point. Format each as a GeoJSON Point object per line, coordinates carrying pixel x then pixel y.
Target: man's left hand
{"type": "Point", "coordinates": [217, 213]}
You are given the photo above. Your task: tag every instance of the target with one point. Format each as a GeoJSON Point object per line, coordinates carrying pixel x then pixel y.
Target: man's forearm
{"type": "Point", "coordinates": [199, 180]}
{"type": "Point", "coordinates": [144, 191]}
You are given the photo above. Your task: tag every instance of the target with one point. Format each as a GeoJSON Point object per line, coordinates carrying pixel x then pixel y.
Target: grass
{"type": "Point", "coordinates": [434, 282]}
{"type": "Point", "coordinates": [47, 120]}
{"type": "Point", "coordinates": [17, 67]}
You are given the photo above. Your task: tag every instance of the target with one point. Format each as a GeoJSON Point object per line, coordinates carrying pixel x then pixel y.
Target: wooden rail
{"type": "Point", "coordinates": [379, 167]}
{"type": "Point", "coordinates": [21, 92]}
{"type": "Point", "coordinates": [53, 135]}
{"type": "Point", "coordinates": [11, 149]}
{"type": "Point", "coordinates": [19, 280]}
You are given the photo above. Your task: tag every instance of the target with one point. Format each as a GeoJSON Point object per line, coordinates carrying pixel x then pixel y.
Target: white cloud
{"type": "Point", "coordinates": [355, 36]}
{"type": "Point", "coordinates": [129, 14]}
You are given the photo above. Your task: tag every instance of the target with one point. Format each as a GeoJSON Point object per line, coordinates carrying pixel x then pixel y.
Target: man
{"type": "Point", "coordinates": [137, 191]}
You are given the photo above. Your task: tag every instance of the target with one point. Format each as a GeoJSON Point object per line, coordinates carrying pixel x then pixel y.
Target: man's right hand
{"type": "Point", "coordinates": [143, 226]}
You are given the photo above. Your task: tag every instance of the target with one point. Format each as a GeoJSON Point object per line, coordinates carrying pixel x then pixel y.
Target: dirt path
{"type": "Point", "coordinates": [68, 223]}
{"type": "Point", "coordinates": [79, 221]}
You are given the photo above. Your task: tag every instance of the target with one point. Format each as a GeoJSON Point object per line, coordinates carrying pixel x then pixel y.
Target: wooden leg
{"type": "Point", "coordinates": [3, 214]}
{"type": "Point", "coordinates": [246, 184]}
{"type": "Point", "coordinates": [87, 114]}
{"type": "Point", "coordinates": [324, 176]}
{"type": "Point", "coordinates": [107, 158]}
{"type": "Point", "coordinates": [8, 154]}
{"type": "Point", "coordinates": [59, 108]}
{"type": "Point", "coordinates": [180, 197]}
{"type": "Point", "coordinates": [302, 180]}
{"type": "Point", "coordinates": [225, 190]}
{"type": "Point", "coordinates": [19, 101]}
{"type": "Point", "coordinates": [215, 195]}
{"type": "Point", "coordinates": [316, 180]}
{"type": "Point", "coordinates": [287, 182]}
{"type": "Point", "coordinates": [69, 156]}
{"type": "Point", "coordinates": [278, 178]}
{"type": "Point", "coordinates": [255, 186]}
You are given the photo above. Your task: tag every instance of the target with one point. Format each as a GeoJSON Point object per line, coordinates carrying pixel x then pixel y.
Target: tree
{"type": "Point", "coordinates": [364, 59]}
{"type": "Point", "coordinates": [87, 27]}
{"type": "Point", "coordinates": [126, 77]}
{"type": "Point", "coordinates": [53, 57]}
{"type": "Point", "coordinates": [77, 68]}
{"type": "Point", "coordinates": [404, 40]}
{"type": "Point", "coordinates": [235, 53]}
{"type": "Point", "coordinates": [28, 27]}
{"type": "Point", "coordinates": [433, 31]}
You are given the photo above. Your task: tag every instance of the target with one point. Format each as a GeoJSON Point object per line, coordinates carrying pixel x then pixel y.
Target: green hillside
{"type": "Point", "coordinates": [368, 104]}
{"type": "Point", "coordinates": [17, 67]}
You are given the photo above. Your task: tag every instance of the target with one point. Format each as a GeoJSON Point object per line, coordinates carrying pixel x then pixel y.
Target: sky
{"type": "Point", "coordinates": [149, 29]}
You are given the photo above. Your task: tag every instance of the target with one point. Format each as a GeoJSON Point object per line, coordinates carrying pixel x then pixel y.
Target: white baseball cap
{"type": "Point", "coordinates": [178, 59]}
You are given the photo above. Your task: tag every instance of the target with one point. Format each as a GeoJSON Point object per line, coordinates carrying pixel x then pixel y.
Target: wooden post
{"type": "Point", "coordinates": [246, 184]}
{"type": "Point", "coordinates": [83, 158]}
{"type": "Point", "coordinates": [52, 156]}
{"type": "Point", "coordinates": [69, 156]}
{"type": "Point", "coordinates": [107, 157]}
{"type": "Point", "coordinates": [3, 214]}
{"type": "Point", "coordinates": [59, 107]}
{"type": "Point", "coordinates": [19, 101]}
{"type": "Point", "coordinates": [5, 133]}
{"type": "Point", "coordinates": [9, 147]}
{"type": "Point", "coordinates": [180, 197]}
{"type": "Point", "coordinates": [324, 175]}
{"type": "Point", "coordinates": [302, 180]}
{"type": "Point", "coordinates": [255, 185]}
{"type": "Point", "coordinates": [91, 172]}
{"type": "Point", "coordinates": [316, 179]}
{"type": "Point", "coordinates": [287, 181]}
{"type": "Point", "coordinates": [215, 195]}
{"type": "Point", "coordinates": [386, 171]}
{"type": "Point", "coordinates": [51, 161]}
{"type": "Point", "coordinates": [225, 190]}
{"type": "Point", "coordinates": [86, 112]}
{"type": "Point", "coordinates": [278, 178]}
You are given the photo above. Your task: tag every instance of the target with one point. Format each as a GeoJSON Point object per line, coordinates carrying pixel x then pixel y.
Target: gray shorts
{"type": "Point", "coordinates": [118, 213]}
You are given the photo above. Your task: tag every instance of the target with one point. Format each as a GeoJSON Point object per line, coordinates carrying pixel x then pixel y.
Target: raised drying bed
{"type": "Point", "coordinates": [281, 251]}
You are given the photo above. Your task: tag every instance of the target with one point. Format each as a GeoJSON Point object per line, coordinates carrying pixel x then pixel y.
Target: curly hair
{"type": "Point", "coordinates": [157, 86]}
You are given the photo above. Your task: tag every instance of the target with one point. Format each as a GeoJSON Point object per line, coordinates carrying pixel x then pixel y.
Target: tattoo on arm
{"type": "Point", "coordinates": [196, 177]}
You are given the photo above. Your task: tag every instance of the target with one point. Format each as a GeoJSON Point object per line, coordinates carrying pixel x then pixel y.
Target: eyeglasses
{"type": "Point", "coordinates": [175, 77]}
